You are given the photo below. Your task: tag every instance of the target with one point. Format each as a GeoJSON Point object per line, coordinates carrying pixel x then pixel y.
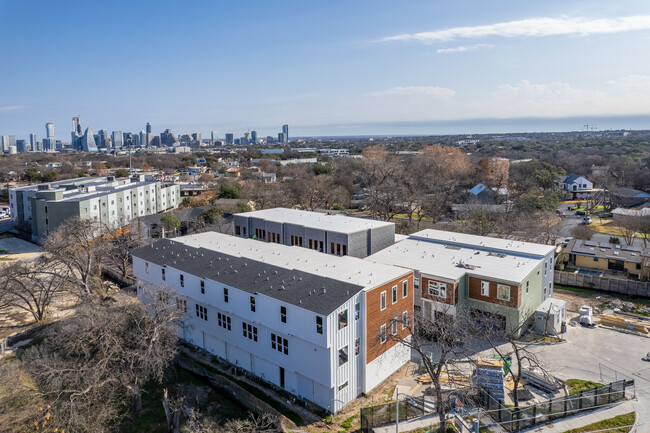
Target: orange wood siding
{"type": "Point", "coordinates": [375, 317]}
{"type": "Point", "coordinates": [475, 292]}
{"type": "Point", "coordinates": [452, 291]}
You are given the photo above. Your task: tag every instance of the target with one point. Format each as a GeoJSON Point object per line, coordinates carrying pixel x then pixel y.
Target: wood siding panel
{"type": "Point", "coordinates": [475, 292]}
{"type": "Point", "coordinates": [452, 291]}
{"type": "Point", "coordinates": [375, 317]}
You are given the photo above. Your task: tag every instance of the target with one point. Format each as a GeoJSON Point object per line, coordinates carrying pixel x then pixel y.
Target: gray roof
{"type": "Point", "coordinates": [630, 192]}
{"type": "Point", "coordinates": [626, 253]}
{"type": "Point", "coordinates": [571, 178]}
{"type": "Point", "coordinates": [309, 291]}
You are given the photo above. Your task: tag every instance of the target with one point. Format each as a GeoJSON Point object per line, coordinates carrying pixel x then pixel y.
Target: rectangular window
{"type": "Point", "coordinates": [437, 289]}
{"type": "Point", "coordinates": [405, 319]}
{"type": "Point", "coordinates": [527, 286]}
{"type": "Point", "coordinates": [357, 309]}
{"type": "Point", "coordinates": [356, 346]}
{"type": "Point", "coordinates": [146, 267]}
{"type": "Point", "coordinates": [405, 289]}
{"type": "Point", "coordinates": [331, 247]}
{"type": "Point", "coordinates": [319, 325]}
{"type": "Point", "coordinates": [311, 245]}
{"type": "Point", "coordinates": [343, 355]}
{"type": "Point", "coordinates": [163, 274]}
{"type": "Point", "coordinates": [416, 283]}
{"type": "Point", "coordinates": [283, 314]}
{"type": "Point", "coordinates": [253, 304]}
{"type": "Point", "coordinates": [485, 288]}
{"type": "Point", "coordinates": [343, 319]}
{"type": "Point", "coordinates": [503, 292]}
{"type": "Point", "coordinates": [345, 250]}
{"type": "Point", "coordinates": [202, 287]}
{"type": "Point", "coordinates": [249, 331]}
{"type": "Point", "coordinates": [383, 301]}
{"type": "Point", "coordinates": [382, 334]}
{"type": "Point", "coordinates": [394, 293]}
{"type": "Point", "coordinates": [224, 321]}
{"type": "Point", "coordinates": [181, 304]}
{"type": "Point", "coordinates": [394, 327]}
{"type": "Point", "coordinates": [201, 312]}
{"type": "Point", "coordinates": [237, 230]}
{"type": "Point", "coordinates": [182, 277]}
{"type": "Point", "coordinates": [225, 295]}
{"type": "Point", "coordinates": [338, 249]}
{"type": "Point", "coordinates": [280, 344]}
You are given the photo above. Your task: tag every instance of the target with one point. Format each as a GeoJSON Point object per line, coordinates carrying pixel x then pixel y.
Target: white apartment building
{"type": "Point", "coordinates": [317, 325]}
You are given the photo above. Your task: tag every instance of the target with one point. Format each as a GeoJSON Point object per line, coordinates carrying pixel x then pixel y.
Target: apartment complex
{"type": "Point", "coordinates": [319, 326]}
{"type": "Point", "coordinates": [501, 279]}
{"type": "Point", "coordinates": [331, 234]}
{"type": "Point", "coordinates": [37, 209]}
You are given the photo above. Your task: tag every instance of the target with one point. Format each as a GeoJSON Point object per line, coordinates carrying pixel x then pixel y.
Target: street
{"type": "Point", "coordinates": [6, 225]}
{"type": "Point", "coordinates": [572, 220]}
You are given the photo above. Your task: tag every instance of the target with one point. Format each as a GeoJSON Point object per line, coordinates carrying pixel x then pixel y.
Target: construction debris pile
{"type": "Point", "coordinates": [630, 324]}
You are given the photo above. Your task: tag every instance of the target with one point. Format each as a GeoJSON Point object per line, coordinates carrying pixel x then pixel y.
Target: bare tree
{"type": "Point", "coordinates": [79, 245]}
{"type": "Point", "coordinates": [32, 286]}
{"type": "Point", "coordinates": [120, 244]}
{"type": "Point", "coordinates": [629, 226]}
{"type": "Point", "coordinates": [582, 231]}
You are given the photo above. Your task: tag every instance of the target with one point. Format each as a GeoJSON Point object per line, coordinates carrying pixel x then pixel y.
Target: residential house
{"type": "Point", "coordinates": [483, 194]}
{"type": "Point", "coordinates": [604, 256]}
{"type": "Point", "coordinates": [324, 328]}
{"type": "Point", "coordinates": [628, 197]}
{"type": "Point", "coordinates": [576, 183]}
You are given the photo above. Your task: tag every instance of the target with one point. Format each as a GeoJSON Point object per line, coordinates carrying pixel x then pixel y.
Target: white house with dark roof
{"type": "Point", "coordinates": [576, 183]}
{"type": "Point", "coordinates": [316, 325]}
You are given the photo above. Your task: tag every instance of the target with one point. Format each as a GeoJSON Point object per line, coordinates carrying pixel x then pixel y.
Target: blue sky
{"type": "Point", "coordinates": [325, 68]}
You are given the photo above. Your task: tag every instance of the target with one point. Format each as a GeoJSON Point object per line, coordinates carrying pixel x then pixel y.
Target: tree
{"type": "Point", "coordinates": [212, 216]}
{"type": "Point", "coordinates": [88, 367]}
{"type": "Point", "coordinates": [31, 286]}
{"type": "Point", "coordinates": [206, 178]}
{"type": "Point", "coordinates": [78, 245]}
{"type": "Point", "coordinates": [582, 231]}
{"type": "Point", "coordinates": [229, 191]}
{"type": "Point", "coordinates": [32, 175]}
{"type": "Point", "coordinates": [49, 176]}
{"type": "Point", "coordinates": [628, 228]}
{"type": "Point", "coordinates": [121, 242]}
{"type": "Point", "coordinates": [121, 172]}
{"type": "Point", "coordinates": [169, 222]}
{"type": "Point", "coordinates": [243, 207]}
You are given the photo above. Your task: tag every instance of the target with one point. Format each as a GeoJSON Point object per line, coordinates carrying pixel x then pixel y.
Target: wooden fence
{"type": "Point", "coordinates": [606, 284]}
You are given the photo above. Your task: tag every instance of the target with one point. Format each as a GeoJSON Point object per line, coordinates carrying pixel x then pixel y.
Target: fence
{"type": "Point", "coordinates": [512, 419]}
{"type": "Point", "coordinates": [372, 416]}
{"type": "Point", "coordinates": [626, 287]}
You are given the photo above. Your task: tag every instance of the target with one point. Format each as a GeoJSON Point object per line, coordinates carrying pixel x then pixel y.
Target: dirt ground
{"type": "Point", "coordinates": [575, 300]}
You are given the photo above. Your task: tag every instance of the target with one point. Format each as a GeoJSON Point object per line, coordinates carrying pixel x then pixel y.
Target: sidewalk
{"type": "Point", "coordinates": [583, 419]}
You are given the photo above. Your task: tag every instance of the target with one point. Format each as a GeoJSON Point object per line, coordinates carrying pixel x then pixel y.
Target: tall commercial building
{"type": "Point", "coordinates": [285, 131]}
{"type": "Point", "coordinates": [21, 146]}
{"type": "Point", "coordinates": [281, 137]}
{"type": "Point", "coordinates": [230, 138]}
{"type": "Point", "coordinates": [32, 142]}
{"type": "Point", "coordinates": [148, 128]}
{"type": "Point", "coordinates": [168, 138]}
{"type": "Point", "coordinates": [5, 143]}
{"type": "Point", "coordinates": [103, 138]}
{"type": "Point", "coordinates": [49, 130]}
{"type": "Point", "coordinates": [254, 137]}
{"type": "Point", "coordinates": [88, 142]}
{"type": "Point", "coordinates": [246, 138]}
{"type": "Point", "coordinates": [118, 139]}
{"type": "Point", "coordinates": [77, 133]}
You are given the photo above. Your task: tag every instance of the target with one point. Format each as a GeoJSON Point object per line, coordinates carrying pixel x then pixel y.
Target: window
{"type": "Point", "coordinates": [319, 325]}
{"type": "Point", "coordinates": [382, 334]}
{"type": "Point", "coordinates": [437, 289]}
{"type": "Point", "coordinates": [383, 300]}
{"type": "Point", "coordinates": [201, 312]}
{"type": "Point", "coordinates": [595, 259]}
{"type": "Point", "coordinates": [203, 287]}
{"type": "Point", "coordinates": [237, 230]}
{"type": "Point", "coordinates": [283, 314]}
{"type": "Point", "coordinates": [485, 288]}
{"type": "Point", "coordinates": [225, 295]}
{"type": "Point", "coordinates": [503, 292]}
{"type": "Point", "coordinates": [394, 327]}
{"type": "Point", "coordinates": [280, 344]}
{"type": "Point", "coordinates": [345, 250]}
{"type": "Point", "coordinates": [343, 355]}
{"type": "Point", "coordinates": [343, 385]}
{"type": "Point", "coordinates": [405, 319]}
{"type": "Point", "coordinates": [146, 267]}
{"type": "Point", "coordinates": [181, 304]}
{"type": "Point", "coordinates": [394, 293]}
{"type": "Point", "coordinates": [182, 277]}
{"type": "Point", "coordinates": [249, 331]}
{"type": "Point", "coordinates": [405, 289]}
{"type": "Point", "coordinates": [357, 309]}
{"type": "Point", "coordinates": [163, 274]}
{"type": "Point", "coordinates": [224, 321]}
{"type": "Point", "coordinates": [253, 304]}
{"type": "Point", "coordinates": [416, 282]}
{"type": "Point", "coordinates": [527, 286]}
{"type": "Point", "coordinates": [343, 319]}
{"type": "Point", "coordinates": [331, 247]}
{"type": "Point", "coordinates": [356, 346]}
{"type": "Point", "coordinates": [311, 245]}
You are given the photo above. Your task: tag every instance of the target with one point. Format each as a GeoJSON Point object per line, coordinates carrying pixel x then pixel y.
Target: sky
{"type": "Point", "coordinates": [367, 67]}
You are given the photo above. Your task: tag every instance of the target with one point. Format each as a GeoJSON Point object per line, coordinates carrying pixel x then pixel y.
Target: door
{"type": "Point", "coordinates": [282, 377]}
{"type": "Point", "coordinates": [427, 307]}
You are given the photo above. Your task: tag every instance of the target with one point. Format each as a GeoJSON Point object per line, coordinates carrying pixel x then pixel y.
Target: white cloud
{"type": "Point", "coordinates": [463, 48]}
{"type": "Point", "coordinates": [11, 108]}
{"type": "Point", "coordinates": [415, 91]}
{"type": "Point", "coordinates": [532, 27]}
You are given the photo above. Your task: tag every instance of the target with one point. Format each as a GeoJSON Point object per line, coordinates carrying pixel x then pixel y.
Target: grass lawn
{"type": "Point", "coordinates": [577, 385]}
{"type": "Point", "coordinates": [618, 424]}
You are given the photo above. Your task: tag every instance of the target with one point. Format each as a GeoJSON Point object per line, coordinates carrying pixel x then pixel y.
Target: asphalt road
{"type": "Point", "coordinates": [6, 225]}
{"type": "Point", "coordinates": [572, 220]}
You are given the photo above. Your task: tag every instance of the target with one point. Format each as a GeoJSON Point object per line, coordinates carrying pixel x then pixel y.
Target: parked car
{"type": "Point", "coordinates": [581, 212]}
{"type": "Point", "coordinates": [3, 215]}
{"type": "Point", "coordinates": [566, 241]}
{"type": "Point", "coordinates": [587, 220]}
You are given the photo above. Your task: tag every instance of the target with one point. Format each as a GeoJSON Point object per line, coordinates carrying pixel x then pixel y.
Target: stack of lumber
{"type": "Point", "coordinates": [619, 322]}
{"type": "Point", "coordinates": [446, 379]}
{"type": "Point", "coordinates": [489, 374]}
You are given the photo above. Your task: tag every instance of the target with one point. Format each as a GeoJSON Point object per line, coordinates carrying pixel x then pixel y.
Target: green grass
{"type": "Point", "coordinates": [348, 423]}
{"type": "Point", "coordinates": [577, 385]}
{"type": "Point", "coordinates": [618, 424]}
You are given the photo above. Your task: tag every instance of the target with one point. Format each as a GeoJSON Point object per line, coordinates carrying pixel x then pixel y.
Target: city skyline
{"type": "Point", "coordinates": [424, 68]}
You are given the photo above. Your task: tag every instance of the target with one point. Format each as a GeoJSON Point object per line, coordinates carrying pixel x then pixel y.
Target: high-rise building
{"type": "Point", "coordinates": [285, 131]}
{"type": "Point", "coordinates": [246, 138]}
{"type": "Point", "coordinates": [77, 133]}
{"type": "Point", "coordinates": [212, 137]}
{"type": "Point", "coordinates": [5, 144]}
{"type": "Point", "coordinates": [230, 138]}
{"type": "Point", "coordinates": [254, 137]}
{"type": "Point", "coordinates": [32, 142]}
{"type": "Point", "coordinates": [21, 146]}
{"type": "Point", "coordinates": [49, 130]}
{"type": "Point", "coordinates": [118, 139]}
{"type": "Point", "coordinates": [148, 128]}
{"type": "Point", "coordinates": [88, 141]}
{"type": "Point", "coordinates": [168, 138]}
{"type": "Point", "coordinates": [135, 140]}
{"type": "Point", "coordinates": [281, 137]}
{"type": "Point", "coordinates": [102, 140]}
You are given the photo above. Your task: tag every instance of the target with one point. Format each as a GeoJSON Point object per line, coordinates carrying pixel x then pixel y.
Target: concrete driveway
{"type": "Point", "coordinates": [19, 249]}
